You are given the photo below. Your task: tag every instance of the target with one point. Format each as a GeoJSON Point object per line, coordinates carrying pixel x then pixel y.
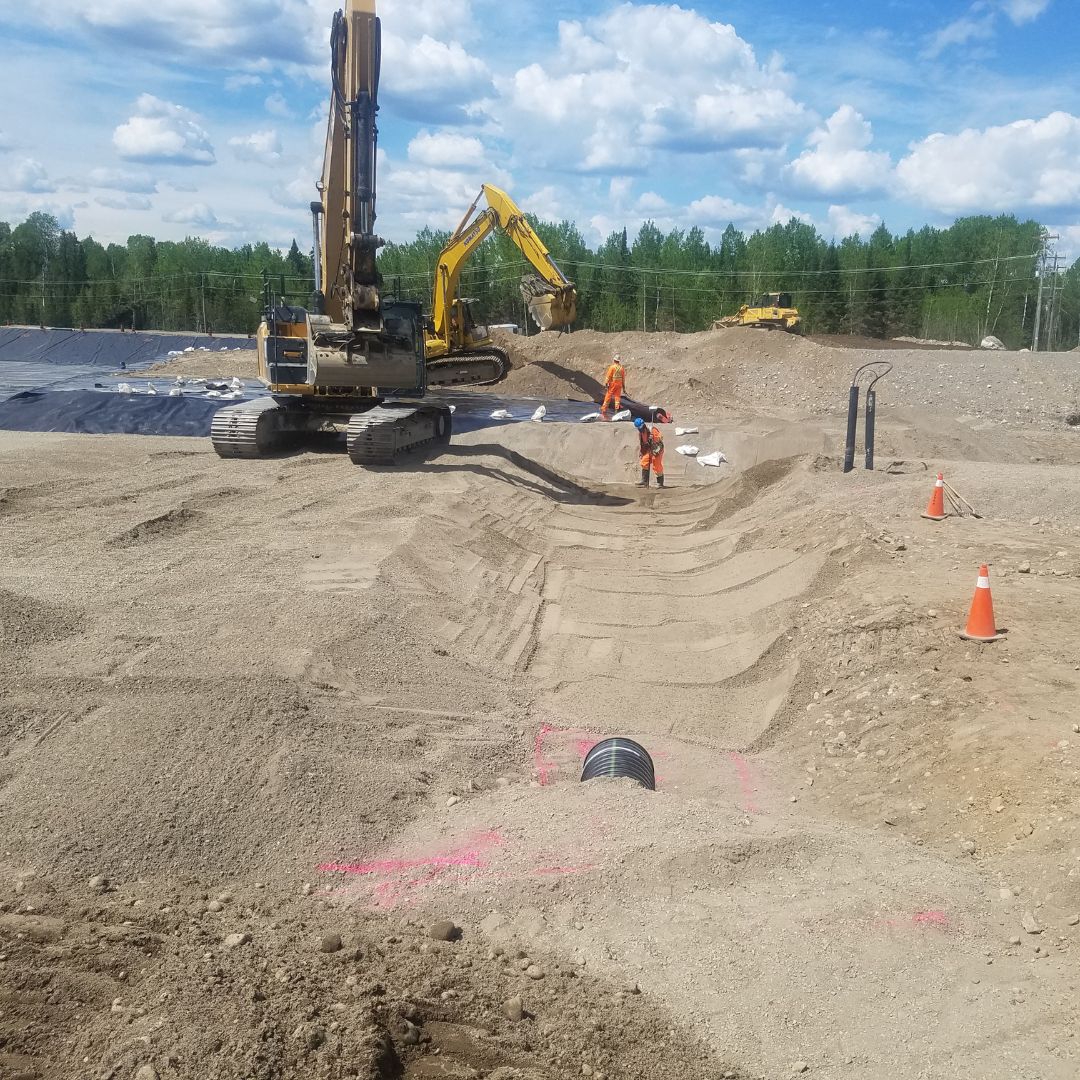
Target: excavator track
{"type": "Point", "coordinates": [249, 430]}
{"type": "Point", "coordinates": [485, 367]}
{"type": "Point", "coordinates": [379, 435]}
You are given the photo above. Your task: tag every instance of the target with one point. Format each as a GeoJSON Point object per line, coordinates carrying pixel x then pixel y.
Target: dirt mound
{"type": "Point", "coordinates": [223, 364]}
{"type": "Point", "coordinates": [791, 376]}
{"type": "Point", "coordinates": [299, 700]}
{"type": "Point", "coordinates": [221, 985]}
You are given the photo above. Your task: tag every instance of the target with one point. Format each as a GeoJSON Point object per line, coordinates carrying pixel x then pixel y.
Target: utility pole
{"type": "Point", "coordinates": [1056, 285]}
{"type": "Point", "coordinates": [1044, 256]}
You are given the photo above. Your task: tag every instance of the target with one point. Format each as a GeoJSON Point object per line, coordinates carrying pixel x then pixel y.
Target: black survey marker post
{"type": "Point", "coordinates": [868, 374]}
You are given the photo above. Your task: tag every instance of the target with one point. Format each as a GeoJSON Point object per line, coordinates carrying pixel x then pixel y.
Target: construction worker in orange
{"type": "Point", "coordinates": [651, 445]}
{"type": "Point", "coordinates": [614, 385]}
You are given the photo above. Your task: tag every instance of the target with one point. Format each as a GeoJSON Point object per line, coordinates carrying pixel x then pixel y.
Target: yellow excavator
{"type": "Point", "coordinates": [775, 311]}
{"type": "Point", "coordinates": [551, 298]}
{"type": "Point", "coordinates": [352, 363]}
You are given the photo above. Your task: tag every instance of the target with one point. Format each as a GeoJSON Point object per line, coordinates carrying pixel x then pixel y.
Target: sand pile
{"type": "Point", "coordinates": [251, 708]}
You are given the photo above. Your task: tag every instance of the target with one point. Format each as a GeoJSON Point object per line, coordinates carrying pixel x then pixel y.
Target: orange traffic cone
{"type": "Point", "coordinates": [935, 508]}
{"type": "Point", "coordinates": [980, 624]}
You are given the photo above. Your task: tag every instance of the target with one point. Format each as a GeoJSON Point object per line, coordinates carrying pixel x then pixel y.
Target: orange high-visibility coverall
{"type": "Point", "coordinates": [614, 382]}
{"type": "Point", "coordinates": [652, 449]}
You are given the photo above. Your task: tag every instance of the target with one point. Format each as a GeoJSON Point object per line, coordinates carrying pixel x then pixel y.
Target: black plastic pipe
{"type": "Point", "coordinates": [620, 757]}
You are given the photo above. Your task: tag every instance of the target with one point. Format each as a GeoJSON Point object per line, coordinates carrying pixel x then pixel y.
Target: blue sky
{"type": "Point", "coordinates": [206, 117]}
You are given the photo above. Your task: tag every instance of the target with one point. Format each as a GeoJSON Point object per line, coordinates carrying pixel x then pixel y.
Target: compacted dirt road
{"type": "Point", "coordinates": [265, 726]}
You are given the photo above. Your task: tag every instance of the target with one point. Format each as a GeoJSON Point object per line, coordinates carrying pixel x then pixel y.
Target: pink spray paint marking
{"type": "Point", "coordinates": [396, 878]}
{"type": "Point", "coordinates": [544, 768]}
{"type": "Point", "coordinates": [746, 782]}
{"type": "Point", "coordinates": [934, 920]}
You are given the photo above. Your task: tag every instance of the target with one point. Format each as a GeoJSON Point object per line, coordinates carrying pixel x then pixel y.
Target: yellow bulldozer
{"type": "Point", "coordinates": [775, 311]}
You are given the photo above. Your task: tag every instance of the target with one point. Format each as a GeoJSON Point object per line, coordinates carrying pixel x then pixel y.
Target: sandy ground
{"type": "Point", "coordinates": [252, 708]}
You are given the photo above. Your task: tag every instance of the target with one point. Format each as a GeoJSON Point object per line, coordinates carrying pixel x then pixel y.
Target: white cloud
{"type": "Point", "coordinates": [430, 77]}
{"type": "Point", "coordinates": [27, 175]}
{"type": "Point", "coordinates": [122, 180]}
{"type": "Point", "coordinates": [962, 31]}
{"type": "Point", "coordinates": [224, 32]}
{"type": "Point", "coordinates": [1026, 165]}
{"type": "Point", "coordinates": [260, 146]}
{"type": "Point", "coordinates": [435, 195]}
{"type": "Point", "coordinates": [123, 202]}
{"type": "Point", "coordinates": [240, 82]}
{"type": "Point", "coordinates": [277, 105]}
{"type": "Point", "coordinates": [839, 161]}
{"type": "Point", "coordinates": [981, 21]}
{"type": "Point", "coordinates": [443, 148]}
{"type": "Point", "coordinates": [641, 79]}
{"type": "Point", "coordinates": [5, 142]}
{"type": "Point", "coordinates": [844, 222]}
{"type": "Point", "coordinates": [16, 206]}
{"type": "Point", "coordinates": [197, 214]}
{"type": "Point", "coordinates": [717, 212]}
{"type": "Point", "coordinates": [1022, 11]}
{"type": "Point", "coordinates": [781, 215]}
{"type": "Point", "coordinates": [162, 132]}
{"type": "Point", "coordinates": [650, 201]}
{"type": "Point", "coordinates": [297, 193]}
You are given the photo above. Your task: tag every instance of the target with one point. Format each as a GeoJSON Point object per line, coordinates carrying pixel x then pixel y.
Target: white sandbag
{"type": "Point", "coordinates": [715, 458]}
{"type": "Point", "coordinates": [622, 414]}
{"type": "Point", "coordinates": [176, 392]}
{"type": "Point", "coordinates": [500, 414]}
{"type": "Point", "coordinates": [687, 451]}
{"type": "Point", "coordinates": [213, 393]}
{"type": "Point", "coordinates": [151, 388]}
{"type": "Point", "coordinates": [540, 413]}
{"type": "Point", "coordinates": [686, 431]}
{"type": "Point", "coordinates": [124, 388]}
{"type": "Point", "coordinates": [588, 418]}
{"type": "Point", "coordinates": [452, 408]}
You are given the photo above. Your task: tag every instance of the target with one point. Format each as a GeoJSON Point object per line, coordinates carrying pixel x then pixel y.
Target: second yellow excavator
{"type": "Point", "coordinates": [452, 329]}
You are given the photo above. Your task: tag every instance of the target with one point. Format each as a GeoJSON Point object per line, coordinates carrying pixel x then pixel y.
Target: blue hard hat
{"type": "Point", "coordinates": [638, 422]}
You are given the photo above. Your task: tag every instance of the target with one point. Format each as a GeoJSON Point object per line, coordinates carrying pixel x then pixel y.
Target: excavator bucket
{"type": "Point", "coordinates": [551, 307]}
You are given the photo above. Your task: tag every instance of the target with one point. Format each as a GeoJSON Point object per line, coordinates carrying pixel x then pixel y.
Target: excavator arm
{"type": "Point", "coordinates": [344, 219]}
{"type": "Point", "coordinates": [551, 297]}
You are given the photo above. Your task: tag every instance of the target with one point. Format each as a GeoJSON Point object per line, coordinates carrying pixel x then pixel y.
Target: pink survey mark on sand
{"type": "Point", "coordinates": [393, 879]}
{"type": "Point", "coordinates": [933, 920]}
{"type": "Point", "coordinates": [744, 774]}
{"type": "Point", "coordinates": [543, 767]}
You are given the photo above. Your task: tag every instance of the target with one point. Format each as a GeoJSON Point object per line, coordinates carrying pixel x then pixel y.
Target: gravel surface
{"type": "Point", "coordinates": [290, 752]}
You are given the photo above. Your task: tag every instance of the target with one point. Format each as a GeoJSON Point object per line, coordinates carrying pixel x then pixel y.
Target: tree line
{"type": "Point", "coordinates": [978, 276]}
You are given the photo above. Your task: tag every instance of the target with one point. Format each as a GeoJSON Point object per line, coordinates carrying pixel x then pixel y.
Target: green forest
{"type": "Point", "coordinates": [979, 276]}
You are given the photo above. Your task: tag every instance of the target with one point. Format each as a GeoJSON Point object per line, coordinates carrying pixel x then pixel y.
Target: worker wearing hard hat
{"type": "Point", "coordinates": [614, 385]}
{"type": "Point", "coordinates": [651, 444]}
